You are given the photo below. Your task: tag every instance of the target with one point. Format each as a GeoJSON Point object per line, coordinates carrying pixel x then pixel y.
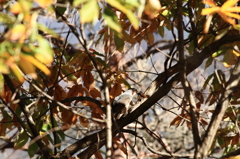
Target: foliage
{"type": "Point", "coordinates": [52, 86]}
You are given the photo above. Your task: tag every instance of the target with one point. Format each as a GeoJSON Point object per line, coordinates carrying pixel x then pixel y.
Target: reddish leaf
{"type": "Point", "coordinates": [95, 93]}
{"type": "Point", "coordinates": [98, 155]}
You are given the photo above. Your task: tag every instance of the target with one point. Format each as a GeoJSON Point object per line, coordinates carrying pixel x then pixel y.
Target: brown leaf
{"type": "Point", "coordinates": [73, 91]}
{"type": "Point", "coordinates": [203, 121]}
{"type": "Point", "coordinates": [95, 93]}
{"type": "Point", "coordinates": [116, 90]}
{"type": "Point", "coordinates": [59, 93]}
{"type": "Point", "coordinates": [93, 106]}
{"type": "Point", "coordinates": [176, 121]}
{"type": "Point", "coordinates": [53, 76]}
{"type": "Point", "coordinates": [84, 122]}
{"type": "Point", "coordinates": [88, 79]}
{"type": "Point", "coordinates": [199, 96]}
{"type": "Point", "coordinates": [68, 117]}
{"type": "Point", "coordinates": [150, 38]}
{"type": "Point", "coordinates": [98, 155]}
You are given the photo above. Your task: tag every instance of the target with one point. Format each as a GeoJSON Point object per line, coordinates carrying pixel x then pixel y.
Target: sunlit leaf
{"type": "Point", "coordinates": [112, 20]}
{"type": "Point", "coordinates": [27, 67]}
{"type": "Point", "coordinates": [229, 3]}
{"type": "Point", "coordinates": [17, 72]}
{"type": "Point", "coordinates": [207, 11]}
{"type": "Point", "coordinates": [78, 2]}
{"type": "Point", "coordinates": [229, 58]}
{"type": "Point", "coordinates": [18, 31]}
{"type": "Point", "coordinates": [16, 8]}
{"type": "Point", "coordinates": [43, 52]}
{"type": "Point", "coordinates": [129, 13]}
{"type": "Point", "coordinates": [89, 12]}
{"type": "Point", "coordinates": [210, 3]}
{"type": "Point", "coordinates": [36, 63]}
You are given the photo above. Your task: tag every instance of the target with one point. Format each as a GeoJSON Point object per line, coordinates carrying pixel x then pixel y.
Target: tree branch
{"type": "Point", "coordinates": [219, 112]}
{"type": "Point", "coordinates": [30, 121]}
{"type": "Point", "coordinates": [155, 92]}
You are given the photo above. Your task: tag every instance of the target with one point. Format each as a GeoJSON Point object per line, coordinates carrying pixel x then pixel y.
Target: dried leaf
{"type": "Point", "coordinates": [98, 155]}
{"type": "Point", "coordinates": [176, 121]}
{"type": "Point", "coordinates": [116, 90]}
{"type": "Point", "coordinates": [199, 96]}
{"type": "Point", "coordinates": [84, 122]}
{"type": "Point", "coordinates": [94, 92]}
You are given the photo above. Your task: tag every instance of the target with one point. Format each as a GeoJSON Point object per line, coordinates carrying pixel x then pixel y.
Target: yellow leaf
{"type": "Point", "coordinates": [207, 24]}
{"type": "Point", "coordinates": [210, 3]}
{"type": "Point", "coordinates": [1, 84]}
{"type": "Point", "coordinates": [89, 12]}
{"type": "Point", "coordinates": [16, 8]}
{"type": "Point", "coordinates": [44, 3]}
{"type": "Point", "coordinates": [207, 11]}
{"type": "Point", "coordinates": [229, 3]}
{"type": "Point", "coordinates": [224, 17]}
{"type": "Point", "coordinates": [17, 72]}
{"type": "Point", "coordinates": [17, 32]}
{"type": "Point", "coordinates": [233, 15]}
{"type": "Point", "coordinates": [233, 9]}
{"type": "Point", "coordinates": [126, 11]}
{"type": "Point", "coordinates": [234, 157]}
{"type": "Point", "coordinates": [36, 63]}
{"type": "Point", "coordinates": [3, 67]}
{"type": "Point", "coordinates": [27, 67]}
{"type": "Point", "coordinates": [236, 53]}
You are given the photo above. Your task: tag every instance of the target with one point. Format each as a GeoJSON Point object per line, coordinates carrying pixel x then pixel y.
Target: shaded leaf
{"type": "Point", "coordinates": [21, 140]}
{"type": "Point", "coordinates": [32, 149]}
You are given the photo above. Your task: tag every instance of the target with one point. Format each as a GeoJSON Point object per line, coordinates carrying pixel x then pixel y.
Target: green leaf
{"type": "Point", "coordinates": [119, 42]}
{"type": "Point", "coordinates": [46, 127]}
{"type": "Point", "coordinates": [43, 28]}
{"type": "Point", "coordinates": [112, 20]}
{"type": "Point", "coordinates": [128, 12]}
{"type": "Point", "coordinates": [32, 149]}
{"type": "Point", "coordinates": [208, 62]}
{"type": "Point", "coordinates": [60, 11]}
{"type": "Point", "coordinates": [133, 19]}
{"type": "Point", "coordinates": [134, 3]}
{"type": "Point", "coordinates": [1, 83]}
{"type": "Point", "coordinates": [237, 26]}
{"type": "Point", "coordinates": [21, 140]}
{"type": "Point", "coordinates": [220, 51]}
{"type": "Point", "coordinates": [78, 2]}
{"type": "Point", "coordinates": [161, 31]}
{"type": "Point", "coordinates": [43, 52]}
{"type": "Point", "coordinates": [7, 18]}
{"type": "Point", "coordinates": [229, 58]}
{"type": "Point", "coordinates": [89, 12]}
{"type": "Point", "coordinates": [207, 81]}
{"type": "Point", "coordinates": [220, 141]}
{"type": "Point", "coordinates": [61, 134]}
{"type": "Point", "coordinates": [99, 54]}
